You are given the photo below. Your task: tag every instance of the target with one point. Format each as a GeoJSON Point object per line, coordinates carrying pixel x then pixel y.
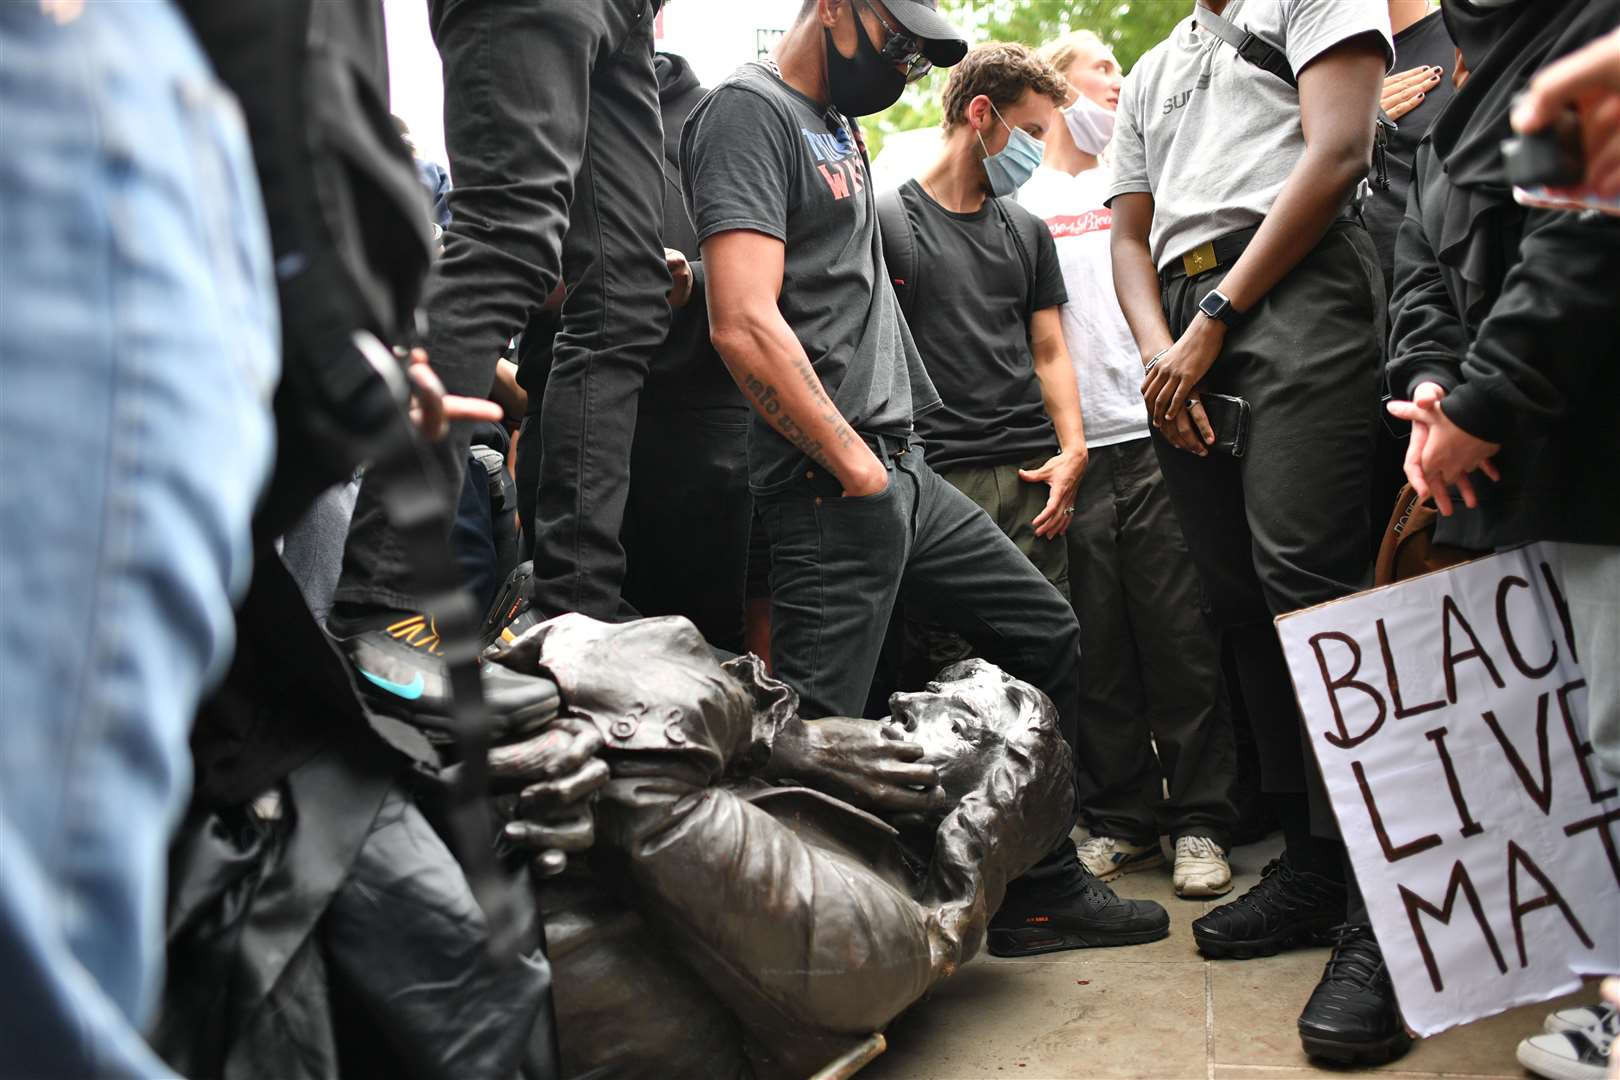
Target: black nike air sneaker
{"type": "Point", "coordinates": [400, 661]}
{"type": "Point", "coordinates": [1351, 1017]}
{"type": "Point", "coordinates": [1288, 909]}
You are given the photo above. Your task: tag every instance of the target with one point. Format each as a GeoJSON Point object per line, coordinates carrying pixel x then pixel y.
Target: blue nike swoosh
{"type": "Point", "coordinates": [409, 691]}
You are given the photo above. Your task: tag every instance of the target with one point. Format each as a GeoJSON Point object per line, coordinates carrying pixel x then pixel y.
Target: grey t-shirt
{"type": "Point", "coordinates": [1213, 137]}
{"type": "Point", "coordinates": [756, 154]}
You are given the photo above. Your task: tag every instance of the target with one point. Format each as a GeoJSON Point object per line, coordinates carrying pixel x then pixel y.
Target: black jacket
{"type": "Point", "coordinates": [1523, 330]}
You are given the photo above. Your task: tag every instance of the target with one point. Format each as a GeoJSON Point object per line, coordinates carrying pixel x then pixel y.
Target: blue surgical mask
{"type": "Point", "coordinates": [1011, 169]}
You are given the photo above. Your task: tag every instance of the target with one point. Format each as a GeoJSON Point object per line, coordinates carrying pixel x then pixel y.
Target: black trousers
{"type": "Point", "coordinates": [1149, 661]}
{"type": "Point", "coordinates": [554, 134]}
{"type": "Point", "coordinates": [688, 523]}
{"type": "Point", "coordinates": [1286, 526]}
{"type": "Point", "coordinates": [839, 566]}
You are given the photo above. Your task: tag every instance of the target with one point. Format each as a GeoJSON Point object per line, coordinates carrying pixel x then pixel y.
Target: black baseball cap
{"type": "Point", "coordinates": [942, 43]}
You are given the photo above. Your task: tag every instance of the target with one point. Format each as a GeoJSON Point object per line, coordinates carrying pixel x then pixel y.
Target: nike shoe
{"type": "Point", "coordinates": [1351, 1017]}
{"type": "Point", "coordinates": [1078, 913]}
{"type": "Point", "coordinates": [1108, 857]}
{"type": "Point", "coordinates": [510, 602]}
{"type": "Point", "coordinates": [1288, 909]}
{"type": "Point", "coordinates": [1201, 868]}
{"type": "Point", "coordinates": [400, 660]}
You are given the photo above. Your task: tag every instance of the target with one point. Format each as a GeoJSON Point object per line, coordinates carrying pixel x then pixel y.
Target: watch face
{"type": "Point", "coordinates": [1214, 304]}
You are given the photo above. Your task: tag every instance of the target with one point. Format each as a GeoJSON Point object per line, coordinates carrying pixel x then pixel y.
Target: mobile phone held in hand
{"type": "Point", "coordinates": [1547, 168]}
{"type": "Point", "coordinates": [1229, 420]}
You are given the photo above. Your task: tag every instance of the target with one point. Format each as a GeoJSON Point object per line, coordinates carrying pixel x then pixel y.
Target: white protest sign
{"type": "Point", "coordinates": [1448, 714]}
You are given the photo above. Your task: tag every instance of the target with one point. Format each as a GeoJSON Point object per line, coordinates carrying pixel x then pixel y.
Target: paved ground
{"type": "Point", "coordinates": [1158, 1011]}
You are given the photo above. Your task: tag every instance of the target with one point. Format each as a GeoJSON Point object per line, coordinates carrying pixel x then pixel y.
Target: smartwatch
{"type": "Point", "coordinates": [1217, 306]}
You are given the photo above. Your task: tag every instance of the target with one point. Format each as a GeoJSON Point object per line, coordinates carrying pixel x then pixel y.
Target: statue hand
{"type": "Point", "coordinates": [559, 774]}
{"type": "Point", "coordinates": [867, 763]}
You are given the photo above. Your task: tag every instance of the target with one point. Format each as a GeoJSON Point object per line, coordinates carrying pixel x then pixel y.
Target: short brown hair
{"type": "Point", "coordinates": [1001, 71]}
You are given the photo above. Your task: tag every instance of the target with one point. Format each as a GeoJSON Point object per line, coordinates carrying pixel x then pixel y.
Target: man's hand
{"type": "Point", "coordinates": [680, 273]}
{"type": "Point", "coordinates": [1405, 90]}
{"type": "Point", "coordinates": [1170, 383]}
{"type": "Point", "coordinates": [1191, 430]}
{"type": "Point", "coordinates": [1062, 474]}
{"type": "Point", "coordinates": [1440, 453]}
{"type": "Point", "coordinates": [869, 764]}
{"type": "Point", "coordinates": [432, 409]}
{"type": "Point", "coordinates": [556, 772]}
{"type": "Point", "coordinates": [1588, 80]}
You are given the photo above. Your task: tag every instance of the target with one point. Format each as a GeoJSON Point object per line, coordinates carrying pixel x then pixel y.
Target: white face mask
{"type": "Point", "coordinates": [1090, 125]}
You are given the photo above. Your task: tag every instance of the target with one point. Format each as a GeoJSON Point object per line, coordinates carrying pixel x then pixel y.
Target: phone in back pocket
{"type": "Point", "coordinates": [1229, 419]}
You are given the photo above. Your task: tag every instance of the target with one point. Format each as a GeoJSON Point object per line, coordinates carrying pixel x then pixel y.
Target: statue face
{"type": "Point", "coordinates": [968, 720]}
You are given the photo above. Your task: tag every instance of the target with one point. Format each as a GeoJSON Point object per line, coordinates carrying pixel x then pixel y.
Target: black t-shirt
{"type": "Point", "coordinates": [758, 155]}
{"type": "Point", "coordinates": [1424, 43]}
{"type": "Point", "coordinates": [970, 319]}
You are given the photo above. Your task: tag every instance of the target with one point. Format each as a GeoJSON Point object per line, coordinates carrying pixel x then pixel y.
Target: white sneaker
{"type": "Point", "coordinates": [1569, 1055]}
{"type": "Point", "coordinates": [1201, 868]}
{"type": "Point", "coordinates": [1576, 1019]}
{"type": "Point", "coordinates": [1108, 856]}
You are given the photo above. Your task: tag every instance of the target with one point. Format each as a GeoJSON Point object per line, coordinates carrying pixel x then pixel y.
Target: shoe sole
{"type": "Point", "coordinates": [1554, 1067]}
{"type": "Point", "coordinates": [1032, 941]}
{"type": "Point", "coordinates": [1117, 872]}
{"type": "Point", "coordinates": [1299, 938]}
{"type": "Point", "coordinates": [1339, 1052]}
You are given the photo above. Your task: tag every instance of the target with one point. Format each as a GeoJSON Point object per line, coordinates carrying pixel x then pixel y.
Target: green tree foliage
{"type": "Point", "coordinates": [1132, 27]}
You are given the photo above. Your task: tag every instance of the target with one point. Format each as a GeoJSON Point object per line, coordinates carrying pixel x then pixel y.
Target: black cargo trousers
{"type": "Point", "coordinates": [555, 141]}
{"type": "Point", "coordinates": [1285, 526]}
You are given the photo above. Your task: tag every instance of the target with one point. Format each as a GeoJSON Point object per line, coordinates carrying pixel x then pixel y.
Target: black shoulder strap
{"type": "Point", "coordinates": [1249, 45]}
{"type": "Point", "coordinates": [899, 248]}
{"type": "Point", "coordinates": [1022, 227]}
{"type": "Point", "coordinates": [1268, 57]}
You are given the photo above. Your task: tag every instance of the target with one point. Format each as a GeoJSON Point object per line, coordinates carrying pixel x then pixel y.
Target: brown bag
{"type": "Point", "coordinates": [1409, 549]}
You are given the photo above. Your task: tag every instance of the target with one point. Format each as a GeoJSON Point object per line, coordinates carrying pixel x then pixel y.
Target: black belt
{"type": "Point", "coordinates": [1224, 251]}
{"type": "Point", "coordinates": [886, 447]}
{"type": "Point", "coordinates": [1210, 255]}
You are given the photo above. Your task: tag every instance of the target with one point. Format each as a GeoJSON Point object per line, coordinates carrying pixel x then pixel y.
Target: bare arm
{"type": "Point", "coordinates": [743, 278]}
{"type": "Point", "coordinates": [1136, 279]}
{"type": "Point", "coordinates": [1061, 393]}
{"type": "Point", "coordinates": [1338, 100]}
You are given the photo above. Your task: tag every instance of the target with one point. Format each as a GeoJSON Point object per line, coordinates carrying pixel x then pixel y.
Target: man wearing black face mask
{"type": "Point", "coordinates": [800, 311]}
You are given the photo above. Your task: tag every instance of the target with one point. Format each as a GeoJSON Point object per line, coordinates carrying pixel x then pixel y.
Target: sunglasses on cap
{"type": "Point", "coordinates": [900, 48]}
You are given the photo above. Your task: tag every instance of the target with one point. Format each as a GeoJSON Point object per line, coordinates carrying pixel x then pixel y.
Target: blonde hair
{"type": "Point", "coordinates": [1061, 52]}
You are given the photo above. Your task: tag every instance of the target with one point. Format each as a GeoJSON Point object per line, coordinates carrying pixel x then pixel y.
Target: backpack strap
{"type": "Point", "coordinates": [1023, 230]}
{"type": "Point", "coordinates": [899, 248]}
{"type": "Point", "coordinates": [1249, 45]}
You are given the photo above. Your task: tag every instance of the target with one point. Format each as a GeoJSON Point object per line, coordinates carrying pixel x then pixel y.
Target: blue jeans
{"type": "Point", "coordinates": [138, 354]}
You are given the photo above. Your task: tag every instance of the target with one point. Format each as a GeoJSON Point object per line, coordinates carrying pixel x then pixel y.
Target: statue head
{"type": "Point", "coordinates": [973, 717]}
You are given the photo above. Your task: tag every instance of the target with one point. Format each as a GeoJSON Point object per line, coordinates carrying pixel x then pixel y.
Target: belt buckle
{"type": "Point", "coordinates": [1199, 259]}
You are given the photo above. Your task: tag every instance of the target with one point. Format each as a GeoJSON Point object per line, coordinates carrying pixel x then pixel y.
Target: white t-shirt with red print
{"type": "Point", "coordinates": [1106, 360]}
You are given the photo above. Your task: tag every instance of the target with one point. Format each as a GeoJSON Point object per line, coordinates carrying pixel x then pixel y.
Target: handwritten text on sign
{"type": "Point", "coordinates": [1449, 717]}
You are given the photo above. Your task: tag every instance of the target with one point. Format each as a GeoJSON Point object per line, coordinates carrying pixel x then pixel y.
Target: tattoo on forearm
{"type": "Point", "coordinates": [768, 401]}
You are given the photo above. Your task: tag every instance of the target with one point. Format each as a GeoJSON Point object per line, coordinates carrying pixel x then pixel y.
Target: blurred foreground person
{"type": "Point", "coordinates": [138, 302]}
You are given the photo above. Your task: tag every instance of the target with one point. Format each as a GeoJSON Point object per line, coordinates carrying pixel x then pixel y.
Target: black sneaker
{"type": "Point", "coordinates": [511, 601]}
{"type": "Point", "coordinates": [1079, 913]}
{"type": "Point", "coordinates": [1289, 908]}
{"type": "Point", "coordinates": [1352, 1018]}
{"type": "Point", "coordinates": [403, 673]}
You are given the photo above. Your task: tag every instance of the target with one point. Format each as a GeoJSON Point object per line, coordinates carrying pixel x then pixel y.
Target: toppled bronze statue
{"type": "Point", "coordinates": [763, 890]}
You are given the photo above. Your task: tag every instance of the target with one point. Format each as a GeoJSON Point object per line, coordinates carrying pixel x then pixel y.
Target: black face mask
{"type": "Point", "coordinates": [865, 83]}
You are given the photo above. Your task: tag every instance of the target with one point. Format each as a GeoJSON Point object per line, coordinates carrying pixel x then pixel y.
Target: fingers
{"type": "Point", "coordinates": [1488, 467]}
{"type": "Point", "coordinates": [1181, 434]}
{"type": "Point", "coordinates": [1406, 91]}
{"type": "Point", "coordinates": [1465, 488]}
{"type": "Point", "coordinates": [1442, 498]}
{"type": "Point", "coordinates": [428, 396]}
{"type": "Point", "coordinates": [1600, 134]}
{"type": "Point", "coordinates": [563, 748]}
{"type": "Point", "coordinates": [575, 834]}
{"type": "Point", "coordinates": [1406, 410]}
{"type": "Point", "coordinates": [551, 797]}
{"type": "Point", "coordinates": [1428, 395]}
{"type": "Point", "coordinates": [1047, 519]}
{"type": "Point", "coordinates": [1200, 419]}
{"type": "Point", "coordinates": [901, 800]}
{"type": "Point", "coordinates": [1413, 467]}
{"type": "Point", "coordinates": [457, 407]}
